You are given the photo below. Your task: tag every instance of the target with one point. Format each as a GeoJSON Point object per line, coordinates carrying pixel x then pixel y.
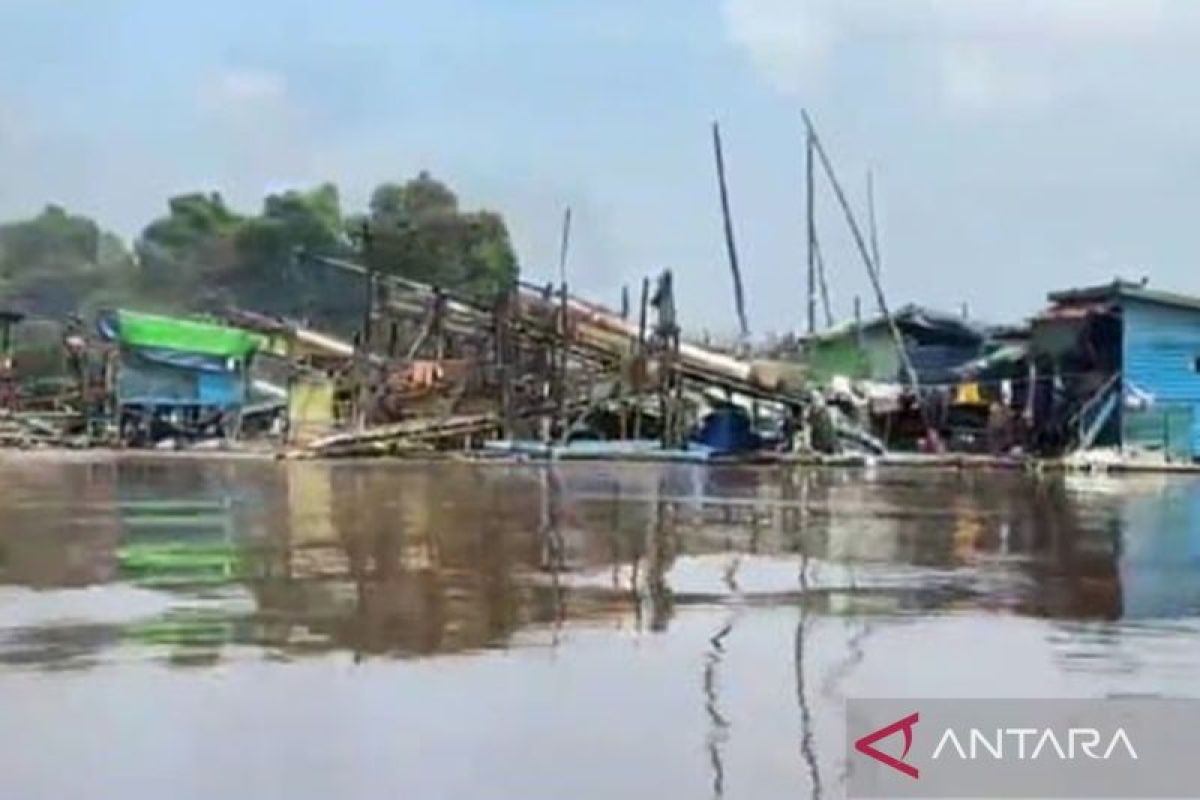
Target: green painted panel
{"type": "Point", "coordinates": [1164, 428]}
{"type": "Point", "coordinates": [840, 356]}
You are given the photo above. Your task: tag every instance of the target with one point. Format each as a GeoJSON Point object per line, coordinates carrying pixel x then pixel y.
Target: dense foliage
{"type": "Point", "coordinates": [204, 255]}
{"type": "Point", "coordinates": [53, 264]}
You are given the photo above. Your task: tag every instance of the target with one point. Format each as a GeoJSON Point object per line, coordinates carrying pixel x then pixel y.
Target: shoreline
{"type": "Point", "coordinates": [893, 461]}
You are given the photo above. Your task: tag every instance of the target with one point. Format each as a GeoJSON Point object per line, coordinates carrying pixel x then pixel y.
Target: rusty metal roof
{"type": "Point", "coordinates": [1074, 310]}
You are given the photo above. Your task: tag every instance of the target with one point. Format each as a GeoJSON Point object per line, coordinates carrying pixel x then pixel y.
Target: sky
{"type": "Point", "coordinates": [1018, 146]}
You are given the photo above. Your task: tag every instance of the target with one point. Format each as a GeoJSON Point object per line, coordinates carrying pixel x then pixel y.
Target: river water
{"type": "Point", "coordinates": [198, 629]}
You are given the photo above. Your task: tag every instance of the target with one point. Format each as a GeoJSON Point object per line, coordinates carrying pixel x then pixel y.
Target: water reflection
{"type": "Point", "coordinates": [747, 603]}
{"type": "Point", "coordinates": [719, 726]}
{"type": "Point", "coordinates": [411, 560]}
{"type": "Point", "coordinates": [807, 740]}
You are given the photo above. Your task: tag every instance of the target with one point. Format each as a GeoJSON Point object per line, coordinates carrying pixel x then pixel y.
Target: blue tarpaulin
{"type": "Point", "coordinates": [728, 429]}
{"type": "Point", "coordinates": [150, 381]}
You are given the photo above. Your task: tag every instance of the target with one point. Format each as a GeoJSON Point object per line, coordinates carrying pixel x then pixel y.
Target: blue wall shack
{"type": "Point", "coordinates": [1161, 359]}
{"type": "Point", "coordinates": [1133, 356]}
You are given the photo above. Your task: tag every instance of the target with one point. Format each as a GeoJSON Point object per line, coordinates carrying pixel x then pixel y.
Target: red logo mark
{"type": "Point", "coordinates": [865, 745]}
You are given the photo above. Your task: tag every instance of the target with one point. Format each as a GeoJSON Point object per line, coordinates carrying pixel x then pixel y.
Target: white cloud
{"type": "Point", "coordinates": [971, 55]}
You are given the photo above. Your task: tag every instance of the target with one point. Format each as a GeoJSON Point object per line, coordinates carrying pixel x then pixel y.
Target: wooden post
{"type": "Point", "coordinates": [641, 343]}
{"type": "Point", "coordinates": [564, 246]}
{"type": "Point", "coordinates": [548, 365]}
{"type": "Point", "coordinates": [666, 368]}
{"type": "Point", "coordinates": [564, 334]}
{"type": "Point", "coordinates": [640, 364]}
{"type": "Point", "coordinates": [559, 364]}
{"type": "Point", "coordinates": [393, 339]}
{"type": "Point", "coordinates": [369, 287]}
{"type": "Point", "coordinates": [1031, 395]}
{"type": "Point", "coordinates": [501, 321]}
{"type": "Point", "coordinates": [730, 245]}
{"type": "Point", "coordinates": [676, 395]}
{"type": "Point", "coordinates": [623, 414]}
{"type": "Point", "coordinates": [667, 338]}
{"type": "Point", "coordinates": [622, 385]}
{"type": "Point", "coordinates": [112, 393]}
{"type": "Point", "coordinates": [362, 390]}
{"type": "Point", "coordinates": [438, 324]}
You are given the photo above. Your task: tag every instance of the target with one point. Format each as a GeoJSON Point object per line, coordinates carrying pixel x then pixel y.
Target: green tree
{"type": "Point", "coordinates": [186, 257]}
{"type": "Point", "coordinates": [51, 265]}
{"type": "Point", "coordinates": [268, 277]}
{"type": "Point", "coordinates": [203, 255]}
{"type": "Point", "coordinates": [420, 200]}
{"type": "Point", "coordinates": [418, 231]}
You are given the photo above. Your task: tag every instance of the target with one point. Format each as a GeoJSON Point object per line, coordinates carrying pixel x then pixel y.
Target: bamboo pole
{"type": "Point", "coordinates": [549, 362]}
{"type": "Point", "coordinates": [813, 254]}
{"type": "Point", "coordinates": [560, 364]}
{"type": "Point", "coordinates": [825, 302]}
{"type": "Point", "coordinates": [861, 244]}
{"type": "Point", "coordinates": [504, 356]}
{"type": "Point", "coordinates": [640, 358]}
{"type": "Point", "coordinates": [730, 244]}
{"type": "Point", "coordinates": [368, 286]}
{"type": "Point", "coordinates": [871, 222]}
{"type": "Point", "coordinates": [362, 363]}
{"type": "Point", "coordinates": [564, 246]}
{"type": "Point", "coordinates": [561, 367]}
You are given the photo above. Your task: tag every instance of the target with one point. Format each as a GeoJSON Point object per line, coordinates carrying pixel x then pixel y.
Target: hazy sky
{"type": "Point", "coordinates": [1019, 145]}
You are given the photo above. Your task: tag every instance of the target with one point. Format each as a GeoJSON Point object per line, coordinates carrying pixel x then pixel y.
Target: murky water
{"type": "Point", "coordinates": [194, 629]}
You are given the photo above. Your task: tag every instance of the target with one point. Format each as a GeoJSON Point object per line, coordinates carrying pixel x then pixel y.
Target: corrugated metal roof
{"type": "Point", "coordinates": [912, 316]}
{"type": "Point", "coordinates": [1119, 290]}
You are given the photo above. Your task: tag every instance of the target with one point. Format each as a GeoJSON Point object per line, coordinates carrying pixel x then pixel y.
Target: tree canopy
{"type": "Point", "coordinates": [418, 232]}
{"type": "Point", "coordinates": [183, 255]}
{"type": "Point", "coordinates": [52, 264]}
{"type": "Point", "coordinates": [202, 254]}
